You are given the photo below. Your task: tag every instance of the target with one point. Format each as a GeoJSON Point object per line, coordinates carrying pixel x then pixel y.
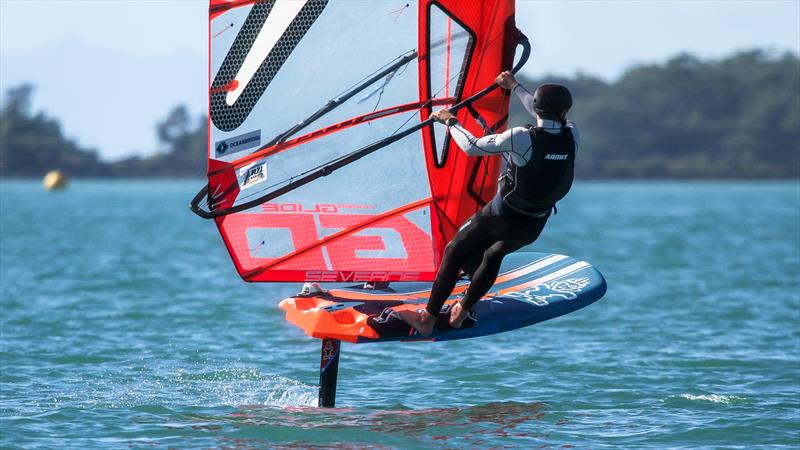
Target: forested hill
{"type": "Point", "coordinates": [32, 144]}
{"type": "Point", "coordinates": [737, 117]}
{"type": "Point", "coordinates": [733, 118]}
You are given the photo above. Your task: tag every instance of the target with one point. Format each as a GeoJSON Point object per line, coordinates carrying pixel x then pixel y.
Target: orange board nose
{"type": "Point", "coordinates": [310, 314]}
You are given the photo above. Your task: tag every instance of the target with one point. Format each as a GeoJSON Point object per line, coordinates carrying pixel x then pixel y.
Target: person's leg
{"type": "Point", "coordinates": [482, 280]}
{"type": "Point", "coordinates": [520, 233]}
{"type": "Point", "coordinates": [487, 272]}
{"type": "Point", "coordinates": [456, 254]}
{"type": "Point", "coordinates": [472, 265]}
{"type": "Point", "coordinates": [472, 239]}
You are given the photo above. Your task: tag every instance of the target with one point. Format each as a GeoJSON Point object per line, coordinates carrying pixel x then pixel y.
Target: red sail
{"type": "Point", "coordinates": [297, 86]}
{"type": "Point", "coordinates": [460, 185]}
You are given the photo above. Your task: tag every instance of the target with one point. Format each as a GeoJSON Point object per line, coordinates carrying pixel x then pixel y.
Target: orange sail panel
{"type": "Point", "coordinates": [296, 87]}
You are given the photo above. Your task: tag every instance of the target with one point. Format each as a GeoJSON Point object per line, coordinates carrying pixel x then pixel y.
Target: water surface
{"type": "Point", "coordinates": [124, 324]}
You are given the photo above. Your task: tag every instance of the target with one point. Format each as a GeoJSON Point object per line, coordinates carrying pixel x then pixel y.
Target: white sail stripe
{"type": "Point", "coordinates": [279, 19]}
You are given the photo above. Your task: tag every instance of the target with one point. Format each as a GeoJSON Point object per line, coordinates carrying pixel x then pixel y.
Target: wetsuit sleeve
{"type": "Point", "coordinates": [526, 98]}
{"type": "Point", "coordinates": [515, 141]}
{"type": "Point", "coordinates": [576, 134]}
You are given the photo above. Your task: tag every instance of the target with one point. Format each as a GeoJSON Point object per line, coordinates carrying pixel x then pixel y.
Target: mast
{"type": "Point", "coordinates": [328, 372]}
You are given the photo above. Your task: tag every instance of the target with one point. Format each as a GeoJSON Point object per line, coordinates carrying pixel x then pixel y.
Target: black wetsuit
{"type": "Point", "coordinates": [514, 218]}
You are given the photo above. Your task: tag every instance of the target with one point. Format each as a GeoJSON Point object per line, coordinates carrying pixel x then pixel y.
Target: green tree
{"type": "Point", "coordinates": [31, 144]}
{"type": "Point", "coordinates": [183, 148]}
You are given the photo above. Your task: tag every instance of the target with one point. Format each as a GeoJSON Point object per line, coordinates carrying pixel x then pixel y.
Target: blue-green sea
{"type": "Point", "coordinates": [123, 324]}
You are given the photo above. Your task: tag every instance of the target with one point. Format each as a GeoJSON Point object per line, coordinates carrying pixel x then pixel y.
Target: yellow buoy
{"type": "Point", "coordinates": [55, 180]}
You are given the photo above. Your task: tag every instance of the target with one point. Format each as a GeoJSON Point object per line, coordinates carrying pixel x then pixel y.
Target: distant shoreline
{"type": "Point", "coordinates": [734, 118]}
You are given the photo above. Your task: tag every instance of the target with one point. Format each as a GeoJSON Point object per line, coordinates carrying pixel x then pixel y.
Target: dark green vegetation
{"type": "Point", "coordinates": [185, 145]}
{"type": "Point", "coordinates": [737, 117]}
{"type": "Point", "coordinates": [734, 118]}
{"type": "Point", "coordinates": [31, 144]}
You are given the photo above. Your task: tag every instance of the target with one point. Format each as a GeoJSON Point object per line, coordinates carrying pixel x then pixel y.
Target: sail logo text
{"type": "Point", "coordinates": [254, 174]}
{"type": "Point", "coordinates": [332, 246]}
{"type": "Point", "coordinates": [238, 143]}
{"type": "Point", "coordinates": [361, 275]}
{"type": "Point", "coordinates": [300, 208]}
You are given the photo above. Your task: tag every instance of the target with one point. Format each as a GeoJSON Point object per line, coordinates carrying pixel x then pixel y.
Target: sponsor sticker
{"type": "Point", "coordinates": [253, 174]}
{"type": "Point", "coordinates": [238, 143]}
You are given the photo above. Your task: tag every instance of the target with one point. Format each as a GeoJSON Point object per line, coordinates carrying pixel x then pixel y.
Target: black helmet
{"type": "Point", "coordinates": [552, 101]}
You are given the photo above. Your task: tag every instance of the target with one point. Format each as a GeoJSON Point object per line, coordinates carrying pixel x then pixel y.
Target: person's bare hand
{"type": "Point", "coordinates": [506, 80]}
{"type": "Point", "coordinates": [442, 116]}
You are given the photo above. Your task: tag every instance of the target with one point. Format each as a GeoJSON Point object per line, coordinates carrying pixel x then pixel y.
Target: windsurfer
{"type": "Point", "coordinates": [540, 164]}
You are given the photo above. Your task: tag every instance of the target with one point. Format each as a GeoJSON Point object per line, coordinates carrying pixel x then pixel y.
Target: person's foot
{"type": "Point", "coordinates": [457, 315]}
{"type": "Point", "coordinates": [421, 320]}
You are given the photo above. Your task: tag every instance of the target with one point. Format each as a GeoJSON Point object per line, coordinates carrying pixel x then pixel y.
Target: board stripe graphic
{"type": "Point", "coordinates": [460, 287]}
{"type": "Point", "coordinates": [569, 270]}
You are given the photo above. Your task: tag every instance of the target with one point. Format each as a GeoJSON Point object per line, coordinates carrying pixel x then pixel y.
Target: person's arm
{"type": "Point", "coordinates": [515, 141]}
{"type": "Point", "coordinates": [506, 80]}
{"type": "Point", "coordinates": [526, 98]}
{"type": "Point", "coordinates": [488, 145]}
{"type": "Point", "coordinates": [576, 134]}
